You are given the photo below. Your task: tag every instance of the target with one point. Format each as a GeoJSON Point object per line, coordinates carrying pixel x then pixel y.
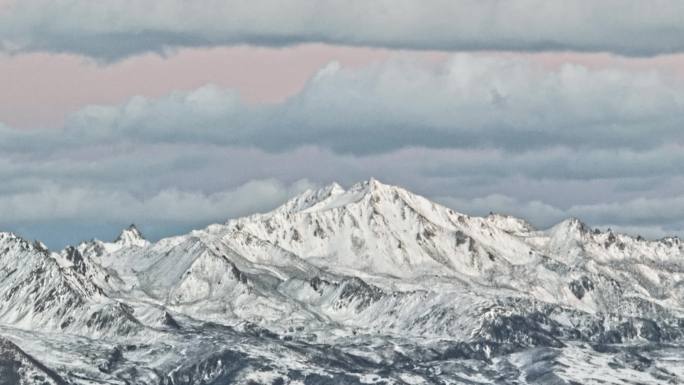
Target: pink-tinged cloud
{"type": "Point", "coordinates": [41, 89]}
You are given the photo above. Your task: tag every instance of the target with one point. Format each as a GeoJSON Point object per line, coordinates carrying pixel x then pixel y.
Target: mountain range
{"type": "Point", "coordinates": [367, 285]}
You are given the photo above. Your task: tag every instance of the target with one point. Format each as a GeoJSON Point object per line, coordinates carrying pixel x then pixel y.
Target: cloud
{"type": "Point", "coordinates": [469, 102]}
{"type": "Point", "coordinates": [537, 212]}
{"type": "Point", "coordinates": [169, 189]}
{"type": "Point", "coordinates": [56, 203]}
{"type": "Point", "coordinates": [561, 163]}
{"type": "Point", "coordinates": [651, 218]}
{"type": "Point", "coordinates": [478, 134]}
{"type": "Point", "coordinates": [121, 28]}
{"type": "Point", "coordinates": [640, 211]}
{"type": "Point", "coordinates": [44, 213]}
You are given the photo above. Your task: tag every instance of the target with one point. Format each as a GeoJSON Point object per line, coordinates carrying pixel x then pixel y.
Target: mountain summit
{"type": "Point", "coordinates": [131, 236]}
{"type": "Point", "coordinates": [131, 230]}
{"type": "Point", "coordinates": [370, 283]}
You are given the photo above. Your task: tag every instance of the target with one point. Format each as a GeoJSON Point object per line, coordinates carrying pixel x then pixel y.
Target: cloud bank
{"type": "Point", "coordinates": [120, 28]}
{"type": "Point", "coordinates": [468, 102]}
{"type": "Point", "coordinates": [602, 145]}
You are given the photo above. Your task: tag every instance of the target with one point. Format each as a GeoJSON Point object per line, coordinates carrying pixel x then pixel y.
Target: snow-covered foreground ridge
{"type": "Point", "coordinates": [372, 284]}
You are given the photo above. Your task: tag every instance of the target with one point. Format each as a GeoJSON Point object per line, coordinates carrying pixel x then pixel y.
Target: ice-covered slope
{"type": "Point", "coordinates": [398, 288]}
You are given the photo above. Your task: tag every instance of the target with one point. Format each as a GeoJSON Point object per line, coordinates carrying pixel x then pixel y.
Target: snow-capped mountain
{"type": "Point", "coordinates": [372, 284]}
{"type": "Point", "coordinates": [56, 292]}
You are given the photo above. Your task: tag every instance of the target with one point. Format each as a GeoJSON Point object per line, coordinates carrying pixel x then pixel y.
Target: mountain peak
{"type": "Point", "coordinates": [332, 196]}
{"type": "Point", "coordinates": [571, 228]}
{"type": "Point", "coordinates": [311, 197]}
{"type": "Point", "coordinates": [509, 223]}
{"type": "Point", "coordinates": [375, 184]}
{"type": "Point", "coordinates": [334, 188]}
{"type": "Point", "coordinates": [131, 236]}
{"type": "Point", "coordinates": [370, 185]}
{"type": "Point", "coordinates": [373, 187]}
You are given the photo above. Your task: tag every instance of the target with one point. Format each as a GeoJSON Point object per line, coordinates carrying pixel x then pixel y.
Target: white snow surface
{"type": "Point", "coordinates": [375, 270]}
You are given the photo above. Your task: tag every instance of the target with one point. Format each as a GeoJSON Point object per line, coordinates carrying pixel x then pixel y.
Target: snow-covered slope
{"type": "Point", "coordinates": [385, 230]}
{"type": "Point", "coordinates": [55, 292]}
{"type": "Point", "coordinates": [397, 288]}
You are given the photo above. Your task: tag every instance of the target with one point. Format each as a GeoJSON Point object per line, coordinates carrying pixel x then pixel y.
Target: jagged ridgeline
{"type": "Point", "coordinates": [371, 285]}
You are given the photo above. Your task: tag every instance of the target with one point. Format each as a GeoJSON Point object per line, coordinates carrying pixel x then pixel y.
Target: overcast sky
{"type": "Point", "coordinates": [180, 114]}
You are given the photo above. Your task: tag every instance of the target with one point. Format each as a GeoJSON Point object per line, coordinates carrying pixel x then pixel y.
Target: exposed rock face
{"type": "Point", "coordinates": [372, 284]}
{"type": "Point", "coordinates": [18, 368]}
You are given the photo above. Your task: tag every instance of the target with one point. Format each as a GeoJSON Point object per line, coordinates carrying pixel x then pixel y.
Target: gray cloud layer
{"type": "Point", "coordinates": [119, 28]}
{"type": "Point", "coordinates": [477, 134]}
{"type": "Point", "coordinates": [469, 102]}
